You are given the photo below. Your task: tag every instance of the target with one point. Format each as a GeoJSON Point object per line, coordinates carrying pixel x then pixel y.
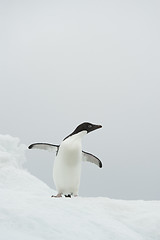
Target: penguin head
{"type": "Point", "coordinates": [86, 126]}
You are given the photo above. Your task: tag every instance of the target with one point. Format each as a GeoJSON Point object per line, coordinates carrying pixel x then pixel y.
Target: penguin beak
{"type": "Point", "coordinates": [94, 127]}
{"type": "Point", "coordinates": [99, 126]}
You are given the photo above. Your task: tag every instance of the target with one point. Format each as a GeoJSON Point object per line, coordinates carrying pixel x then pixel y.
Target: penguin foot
{"type": "Point", "coordinates": [69, 195]}
{"type": "Point", "coordinates": [57, 196]}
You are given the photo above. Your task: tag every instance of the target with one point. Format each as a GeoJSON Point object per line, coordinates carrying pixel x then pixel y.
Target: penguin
{"type": "Point", "coordinates": [67, 163]}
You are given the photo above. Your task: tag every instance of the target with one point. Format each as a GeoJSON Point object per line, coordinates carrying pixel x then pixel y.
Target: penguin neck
{"type": "Point", "coordinates": [76, 137]}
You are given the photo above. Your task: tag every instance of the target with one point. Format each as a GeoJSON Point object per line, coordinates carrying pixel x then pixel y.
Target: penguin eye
{"type": "Point", "coordinates": [89, 126]}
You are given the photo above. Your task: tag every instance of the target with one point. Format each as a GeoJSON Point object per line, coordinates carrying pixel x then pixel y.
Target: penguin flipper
{"type": "Point", "coordinates": [91, 158]}
{"type": "Point", "coordinates": [44, 146]}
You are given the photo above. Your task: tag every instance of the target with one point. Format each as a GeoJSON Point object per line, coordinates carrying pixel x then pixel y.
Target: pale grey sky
{"type": "Point", "coordinates": [66, 62]}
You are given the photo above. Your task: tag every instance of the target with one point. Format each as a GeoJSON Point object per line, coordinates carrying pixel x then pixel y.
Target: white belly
{"type": "Point", "coordinates": [67, 168]}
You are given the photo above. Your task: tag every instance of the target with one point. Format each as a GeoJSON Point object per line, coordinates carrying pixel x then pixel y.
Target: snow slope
{"type": "Point", "coordinates": [28, 212]}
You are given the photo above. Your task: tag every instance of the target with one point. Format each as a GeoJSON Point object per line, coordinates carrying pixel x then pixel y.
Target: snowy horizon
{"type": "Point", "coordinates": [28, 212]}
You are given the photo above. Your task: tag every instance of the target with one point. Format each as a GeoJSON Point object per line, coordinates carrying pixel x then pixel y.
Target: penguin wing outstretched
{"type": "Point", "coordinates": [91, 158]}
{"type": "Point", "coordinates": [44, 146]}
{"type": "Point", "coordinates": [51, 147]}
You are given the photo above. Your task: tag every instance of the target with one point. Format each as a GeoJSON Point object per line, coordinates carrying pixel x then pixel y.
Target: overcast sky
{"type": "Point", "coordinates": [66, 62]}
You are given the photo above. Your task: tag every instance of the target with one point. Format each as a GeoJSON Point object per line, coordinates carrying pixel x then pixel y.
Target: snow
{"type": "Point", "coordinates": [28, 212]}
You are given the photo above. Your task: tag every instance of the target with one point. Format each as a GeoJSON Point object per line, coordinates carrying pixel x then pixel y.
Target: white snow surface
{"type": "Point", "coordinates": [28, 212]}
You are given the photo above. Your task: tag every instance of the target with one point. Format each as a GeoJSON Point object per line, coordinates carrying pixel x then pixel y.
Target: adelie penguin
{"type": "Point", "coordinates": [67, 164]}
